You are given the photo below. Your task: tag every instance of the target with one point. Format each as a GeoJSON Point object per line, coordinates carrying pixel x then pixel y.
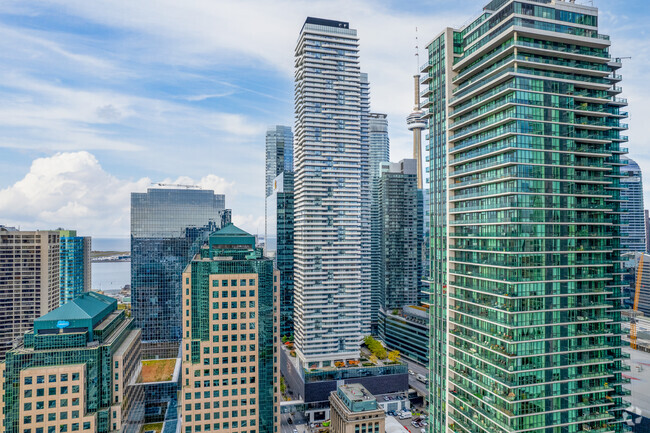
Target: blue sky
{"type": "Point", "coordinates": [103, 98]}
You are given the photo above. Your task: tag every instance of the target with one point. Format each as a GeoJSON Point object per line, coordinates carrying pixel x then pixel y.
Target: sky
{"type": "Point", "coordinates": [104, 98]}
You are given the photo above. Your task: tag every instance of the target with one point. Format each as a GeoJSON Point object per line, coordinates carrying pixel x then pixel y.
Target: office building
{"type": "Point", "coordinates": [379, 142]}
{"type": "Point", "coordinates": [407, 329]}
{"type": "Point", "coordinates": [379, 152]}
{"type": "Point", "coordinates": [279, 154]}
{"type": "Point", "coordinates": [524, 168]}
{"type": "Point", "coordinates": [632, 208]}
{"type": "Point", "coordinates": [637, 265]}
{"type": "Point", "coordinates": [328, 256]}
{"type": "Point", "coordinates": [355, 410]}
{"type": "Point", "coordinates": [75, 265]}
{"type": "Point", "coordinates": [279, 244]}
{"type": "Point", "coordinates": [401, 269]}
{"type": "Point", "coordinates": [230, 378]}
{"type": "Point", "coordinates": [647, 230]}
{"type": "Point", "coordinates": [29, 281]}
{"type": "Point", "coordinates": [168, 225]}
{"type": "Point", "coordinates": [74, 371]}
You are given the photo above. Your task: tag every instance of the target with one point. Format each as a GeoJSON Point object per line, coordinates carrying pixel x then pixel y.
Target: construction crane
{"type": "Point", "coordinates": [635, 308]}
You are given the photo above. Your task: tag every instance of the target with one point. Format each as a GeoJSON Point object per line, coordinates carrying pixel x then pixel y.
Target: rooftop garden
{"type": "Point", "coordinates": [157, 370]}
{"type": "Point", "coordinates": [153, 427]}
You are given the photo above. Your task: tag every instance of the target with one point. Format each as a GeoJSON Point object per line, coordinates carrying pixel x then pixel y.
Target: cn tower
{"type": "Point", "coordinates": [417, 123]}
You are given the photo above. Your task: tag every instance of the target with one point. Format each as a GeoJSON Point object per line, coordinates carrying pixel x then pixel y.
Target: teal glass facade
{"type": "Point", "coordinates": [94, 334]}
{"type": "Point", "coordinates": [74, 265]}
{"type": "Point", "coordinates": [278, 243]}
{"type": "Point", "coordinates": [524, 172]}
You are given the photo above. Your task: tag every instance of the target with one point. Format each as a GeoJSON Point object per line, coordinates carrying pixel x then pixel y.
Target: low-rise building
{"type": "Point", "coordinates": [75, 372]}
{"type": "Point", "coordinates": [407, 330]}
{"type": "Point", "coordinates": [355, 410]}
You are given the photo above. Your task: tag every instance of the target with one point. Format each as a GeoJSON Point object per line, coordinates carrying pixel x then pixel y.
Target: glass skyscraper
{"type": "Point", "coordinates": [75, 266]}
{"type": "Point", "coordinates": [379, 152]}
{"type": "Point", "coordinates": [278, 243]}
{"type": "Point", "coordinates": [279, 154]}
{"type": "Point", "coordinates": [524, 173]}
{"type": "Point", "coordinates": [168, 226]}
{"type": "Point", "coordinates": [633, 210]}
{"type": "Point", "coordinates": [330, 243]}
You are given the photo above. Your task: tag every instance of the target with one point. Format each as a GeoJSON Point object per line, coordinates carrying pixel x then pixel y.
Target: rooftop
{"type": "Point", "coordinates": [357, 398]}
{"type": "Point", "coordinates": [157, 370]}
{"type": "Point", "coordinates": [86, 310]}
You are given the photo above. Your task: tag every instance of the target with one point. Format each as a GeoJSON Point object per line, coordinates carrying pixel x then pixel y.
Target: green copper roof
{"type": "Point", "coordinates": [84, 311]}
{"type": "Point", "coordinates": [231, 235]}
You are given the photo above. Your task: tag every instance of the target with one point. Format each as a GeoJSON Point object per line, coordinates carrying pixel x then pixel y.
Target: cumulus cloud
{"type": "Point", "coordinates": [72, 190]}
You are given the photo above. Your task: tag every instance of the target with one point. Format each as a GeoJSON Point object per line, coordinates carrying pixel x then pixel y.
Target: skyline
{"type": "Point", "coordinates": [135, 89]}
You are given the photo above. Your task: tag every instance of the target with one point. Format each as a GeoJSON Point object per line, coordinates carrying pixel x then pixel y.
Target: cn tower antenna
{"type": "Point", "coordinates": [417, 50]}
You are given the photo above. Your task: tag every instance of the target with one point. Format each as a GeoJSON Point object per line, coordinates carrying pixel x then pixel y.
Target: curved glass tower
{"type": "Point", "coordinates": [524, 151]}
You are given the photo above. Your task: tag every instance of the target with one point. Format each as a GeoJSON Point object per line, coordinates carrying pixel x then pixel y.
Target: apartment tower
{"type": "Point", "coordinates": [75, 265]}
{"type": "Point", "coordinates": [230, 378]}
{"type": "Point", "coordinates": [524, 169]}
{"type": "Point", "coordinates": [633, 211]}
{"type": "Point", "coordinates": [279, 154]}
{"type": "Point", "coordinates": [29, 281]}
{"type": "Point", "coordinates": [330, 169]}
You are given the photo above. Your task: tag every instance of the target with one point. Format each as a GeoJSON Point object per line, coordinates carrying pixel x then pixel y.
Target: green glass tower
{"type": "Point", "coordinates": [524, 173]}
{"type": "Point", "coordinates": [230, 378]}
{"type": "Point", "coordinates": [76, 371]}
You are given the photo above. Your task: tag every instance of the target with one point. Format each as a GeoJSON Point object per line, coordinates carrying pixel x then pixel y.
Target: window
{"type": "Point", "coordinates": [242, 282]}
{"type": "Point", "coordinates": [40, 379]}
{"type": "Point", "coordinates": [75, 376]}
{"type": "Point", "coordinates": [51, 378]}
{"type": "Point", "coordinates": [64, 377]}
{"type": "Point", "coordinates": [233, 283]}
{"type": "Point", "coordinates": [28, 393]}
{"type": "Point", "coordinates": [215, 283]}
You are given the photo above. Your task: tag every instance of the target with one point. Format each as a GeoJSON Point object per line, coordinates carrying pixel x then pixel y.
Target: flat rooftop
{"type": "Point", "coordinates": [157, 370]}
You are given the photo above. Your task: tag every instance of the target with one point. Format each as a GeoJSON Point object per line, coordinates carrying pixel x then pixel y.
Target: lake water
{"type": "Point", "coordinates": [112, 276]}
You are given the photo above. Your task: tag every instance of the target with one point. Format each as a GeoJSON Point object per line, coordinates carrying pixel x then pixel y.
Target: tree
{"type": "Point", "coordinates": [373, 359]}
{"type": "Point", "coordinates": [393, 356]}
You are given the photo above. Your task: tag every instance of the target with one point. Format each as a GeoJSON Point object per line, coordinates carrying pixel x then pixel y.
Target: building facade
{"type": "Point", "coordinates": [29, 281]}
{"type": "Point", "coordinates": [632, 208]}
{"type": "Point", "coordinates": [401, 255]}
{"type": "Point", "coordinates": [231, 378]}
{"type": "Point", "coordinates": [366, 203]}
{"type": "Point", "coordinates": [74, 372]}
{"type": "Point", "coordinates": [328, 181]}
{"type": "Point", "coordinates": [524, 174]}
{"type": "Point", "coordinates": [355, 410]}
{"type": "Point", "coordinates": [279, 154]}
{"type": "Point", "coordinates": [379, 152]}
{"type": "Point", "coordinates": [75, 265]}
{"type": "Point", "coordinates": [407, 330]}
{"type": "Point", "coordinates": [168, 226]}
{"type": "Point", "coordinates": [279, 243]}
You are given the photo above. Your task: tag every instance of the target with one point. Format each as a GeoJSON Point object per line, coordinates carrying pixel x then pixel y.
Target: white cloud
{"type": "Point", "coordinates": [253, 224]}
{"type": "Point", "coordinates": [70, 190]}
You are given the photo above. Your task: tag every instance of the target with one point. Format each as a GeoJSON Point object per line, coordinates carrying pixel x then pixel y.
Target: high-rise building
{"type": "Point", "coordinates": [328, 182]}
{"type": "Point", "coordinates": [379, 152]}
{"type": "Point", "coordinates": [279, 243]}
{"type": "Point", "coordinates": [632, 208]}
{"type": "Point", "coordinates": [75, 371]}
{"type": "Point", "coordinates": [279, 154]}
{"type": "Point", "coordinates": [647, 229]}
{"type": "Point", "coordinates": [231, 378]}
{"type": "Point", "coordinates": [524, 168]}
{"type": "Point", "coordinates": [29, 281]}
{"type": "Point", "coordinates": [167, 228]}
{"type": "Point", "coordinates": [75, 266]}
{"type": "Point", "coordinates": [366, 206]}
{"type": "Point", "coordinates": [401, 269]}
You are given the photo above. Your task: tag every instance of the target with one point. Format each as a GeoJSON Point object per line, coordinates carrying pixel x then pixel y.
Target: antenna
{"type": "Point", "coordinates": [417, 50]}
